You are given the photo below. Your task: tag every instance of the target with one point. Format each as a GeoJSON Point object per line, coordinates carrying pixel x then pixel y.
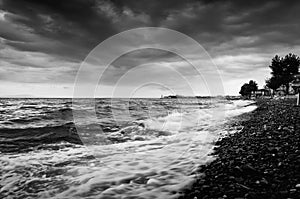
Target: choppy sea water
{"type": "Point", "coordinates": [133, 148]}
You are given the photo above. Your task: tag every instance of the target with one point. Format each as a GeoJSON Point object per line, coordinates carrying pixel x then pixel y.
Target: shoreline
{"type": "Point", "coordinates": [260, 161]}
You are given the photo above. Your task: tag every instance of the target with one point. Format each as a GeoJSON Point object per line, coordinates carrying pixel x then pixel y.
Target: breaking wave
{"type": "Point", "coordinates": [152, 154]}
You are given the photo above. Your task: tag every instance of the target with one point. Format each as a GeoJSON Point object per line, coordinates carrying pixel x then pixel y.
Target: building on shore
{"type": "Point", "coordinates": [295, 84]}
{"type": "Point", "coordinates": [261, 93]}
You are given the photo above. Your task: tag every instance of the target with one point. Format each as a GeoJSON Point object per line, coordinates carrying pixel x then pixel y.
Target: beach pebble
{"type": "Point", "coordinates": [154, 182]}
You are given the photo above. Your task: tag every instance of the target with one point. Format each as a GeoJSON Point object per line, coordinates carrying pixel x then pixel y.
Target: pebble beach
{"type": "Point", "coordinates": [260, 161]}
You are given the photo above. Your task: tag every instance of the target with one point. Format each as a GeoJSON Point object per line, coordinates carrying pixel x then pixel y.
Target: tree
{"type": "Point", "coordinates": [283, 70]}
{"type": "Point", "coordinates": [247, 88]}
{"type": "Point", "coordinates": [273, 83]}
{"type": "Point", "coordinates": [253, 85]}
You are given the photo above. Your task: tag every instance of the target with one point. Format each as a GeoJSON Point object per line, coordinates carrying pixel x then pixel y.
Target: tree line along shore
{"type": "Point", "coordinates": [284, 80]}
{"type": "Point", "coordinates": [260, 161]}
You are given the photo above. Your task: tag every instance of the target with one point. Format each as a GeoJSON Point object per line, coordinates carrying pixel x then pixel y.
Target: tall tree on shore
{"type": "Point", "coordinates": [283, 70]}
{"type": "Point", "coordinates": [247, 88]}
{"type": "Point", "coordinates": [273, 83]}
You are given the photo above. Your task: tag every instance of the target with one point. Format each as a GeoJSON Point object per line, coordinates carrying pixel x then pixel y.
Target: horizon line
{"type": "Point", "coordinates": [165, 97]}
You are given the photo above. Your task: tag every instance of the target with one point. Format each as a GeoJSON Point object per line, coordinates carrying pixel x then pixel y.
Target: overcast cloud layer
{"type": "Point", "coordinates": [43, 42]}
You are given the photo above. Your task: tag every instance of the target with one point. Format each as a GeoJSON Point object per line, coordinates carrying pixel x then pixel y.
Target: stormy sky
{"type": "Point", "coordinates": [44, 42]}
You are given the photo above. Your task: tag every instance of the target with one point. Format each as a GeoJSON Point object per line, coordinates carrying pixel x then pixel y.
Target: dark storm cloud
{"type": "Point", "coordinates": [47, 39]}
{"type": "Point", "coordinates": [157, 10]}
{"type": "Point", "coordinates": [219, 22]}
{"type": "Point", "coordinates": [71, 28]}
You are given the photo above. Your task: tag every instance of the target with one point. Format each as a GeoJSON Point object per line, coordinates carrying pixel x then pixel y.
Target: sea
{"type": "Point", "coordinates": [110, 148]}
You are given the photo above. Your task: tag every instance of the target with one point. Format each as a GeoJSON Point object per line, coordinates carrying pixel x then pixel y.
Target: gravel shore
{"type": "Point", "coordinates": [260, 161]}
